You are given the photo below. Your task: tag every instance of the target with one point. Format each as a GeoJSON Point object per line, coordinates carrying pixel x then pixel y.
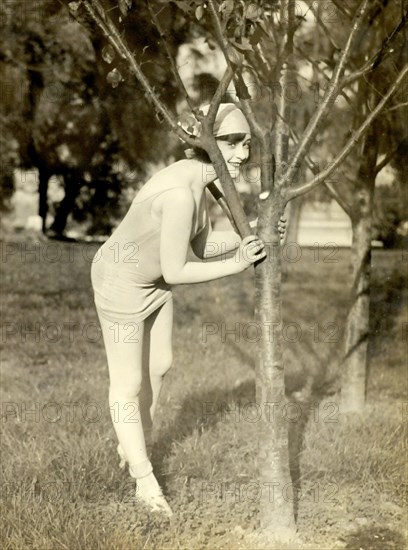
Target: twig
{"type": "Point", "coordinates": [329, 96]}
{"type": "Point", "coordinates": [302, 189]}
{"type": "Point", "coordinates": [108, 28]}
{"type": "Point", "coordinates": [342, 9]}
{"type": "Point", "coordinates": [342, 201]}
{"type": "Point", "coordinates": [378, 57]}
{"type": "Point", "coordinates": [170, 57]}
{"type": "Point", "coordinates": [387, 159]}
{"type": "Point", "coordinates": [321, 72]}
{"type": "Point", "coordinates": [281, 148]}
{"type": "Point", "coordinates": [323, 26]}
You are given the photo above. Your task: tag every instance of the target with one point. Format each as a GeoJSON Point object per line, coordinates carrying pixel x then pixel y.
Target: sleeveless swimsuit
{"type": "Point", "coordinates": [126, 274]}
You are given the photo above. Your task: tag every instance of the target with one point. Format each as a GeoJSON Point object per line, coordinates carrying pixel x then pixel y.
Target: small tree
{"type": "Point", "coordinates": [245, 31]}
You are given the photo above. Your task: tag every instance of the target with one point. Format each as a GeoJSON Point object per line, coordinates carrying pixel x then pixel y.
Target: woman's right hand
{"type": "Point", "coordinates": [251, 250]}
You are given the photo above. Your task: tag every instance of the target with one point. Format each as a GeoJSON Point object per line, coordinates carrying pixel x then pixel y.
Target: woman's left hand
{"type": "Point", "coordinates": [281, 227]}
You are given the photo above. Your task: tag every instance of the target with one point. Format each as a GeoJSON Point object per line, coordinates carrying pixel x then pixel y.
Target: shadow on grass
{"type": "Point", "coordinates": [201, 410]}
{"type": "Point", "coordinates": [374, 538]}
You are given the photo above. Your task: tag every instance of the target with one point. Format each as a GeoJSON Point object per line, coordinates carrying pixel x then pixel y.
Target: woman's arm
{"type": "Point", "coordinates": [220, 243]}
{"type": "Point", "coordinates": [177, 216]}
{"type": "Point", "coordinates": [210, 244]}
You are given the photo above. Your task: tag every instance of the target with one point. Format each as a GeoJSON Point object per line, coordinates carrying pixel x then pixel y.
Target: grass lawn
{"type": "Point", "coordinates": [61, 485]}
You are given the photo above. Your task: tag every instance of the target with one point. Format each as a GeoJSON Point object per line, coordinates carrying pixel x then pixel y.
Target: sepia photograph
{"type": "Point", "coordinates": [204, 268]}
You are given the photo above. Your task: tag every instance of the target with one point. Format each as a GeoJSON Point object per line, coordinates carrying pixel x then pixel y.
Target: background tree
{"type": "Point", "coordinates": [353, 186]}
{"type": "Point", "coordinates": [68, 115]}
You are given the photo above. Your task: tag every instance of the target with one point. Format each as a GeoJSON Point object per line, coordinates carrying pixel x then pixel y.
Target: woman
{"type": "Point", "coordinates": [132, 274]}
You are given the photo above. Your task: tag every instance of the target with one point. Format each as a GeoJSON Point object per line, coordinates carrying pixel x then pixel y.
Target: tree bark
{"type": "Point", "coordinates": [354, 375]}
{"type": "Point", "coordinates": [276, 498]}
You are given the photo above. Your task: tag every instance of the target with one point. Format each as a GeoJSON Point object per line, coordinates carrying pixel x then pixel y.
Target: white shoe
{"type": "Point", "coordinates": [149, 493]}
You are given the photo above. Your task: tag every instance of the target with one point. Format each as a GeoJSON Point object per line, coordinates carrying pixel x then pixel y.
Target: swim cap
{"type": "Point", "coordinates": [229, 120]}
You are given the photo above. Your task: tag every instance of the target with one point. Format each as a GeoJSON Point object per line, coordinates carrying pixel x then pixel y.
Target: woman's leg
{"type": "Point", "coordinates": [157, 360]}
{"type": "Point", "coordinates": [124, 349]}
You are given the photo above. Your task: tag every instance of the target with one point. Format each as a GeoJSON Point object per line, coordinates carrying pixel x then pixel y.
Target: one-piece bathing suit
{"type": "Point", "coordinates": [126, 274]}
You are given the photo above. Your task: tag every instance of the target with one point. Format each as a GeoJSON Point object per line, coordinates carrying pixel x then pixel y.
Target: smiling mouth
{"type": "Point", "coordinates": [235, 164]}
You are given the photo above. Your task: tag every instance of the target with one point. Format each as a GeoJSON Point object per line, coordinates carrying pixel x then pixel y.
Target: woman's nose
{"type": "Point", "coordinates": [241, 152]}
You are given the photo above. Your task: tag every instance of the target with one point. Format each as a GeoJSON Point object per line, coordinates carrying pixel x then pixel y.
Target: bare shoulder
{"type": "Point", "coordinates": [177, 174]}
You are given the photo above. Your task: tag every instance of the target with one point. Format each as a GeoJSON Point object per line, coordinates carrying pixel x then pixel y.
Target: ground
{"type": "Point", "coordinates": [61, 485]}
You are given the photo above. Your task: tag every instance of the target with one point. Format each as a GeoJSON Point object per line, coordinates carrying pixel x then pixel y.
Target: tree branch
{"type": "Point", "coordinates": [321, 72]}
{"type": "Point", "coordinates": [323, 26]}
{"type": "Point", "coordinates": [170, 57]}
{"type": "Point", "coordinates": [329, 96]}
{"type": "Point", "coordinates": [341, 199]}
{"type": "Point", "coordinates": [302, 189]}
{"type": "Point", "coordinates": [342, 9]}
{"type": "Point", "coordinates": [281, 146]}
{"type": "Point", "coordinates": [382, 164]}
{"type": "Point", "coordinates": [378, 57]}
{"type": "Point", "coordinates": [98, 14]}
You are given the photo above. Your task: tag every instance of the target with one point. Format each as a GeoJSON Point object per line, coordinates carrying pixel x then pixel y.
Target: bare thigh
{"type": "Point", "coordinates": [124, 352]}
{"type": "Point", "coordinates": [158, 333]}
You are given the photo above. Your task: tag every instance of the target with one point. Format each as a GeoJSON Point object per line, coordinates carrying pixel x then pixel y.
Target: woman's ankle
{"type": "Point", "coordinates": [141, 470]}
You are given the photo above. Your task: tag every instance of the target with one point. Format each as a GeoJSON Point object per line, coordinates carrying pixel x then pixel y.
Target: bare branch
{"type": "Point", "coordinates": [98, 14]}
{"type": "Point", "coordinates": [256, 128]}
{"type": "Point", "coordinates": [170, 57]}
{"type": "Point", "coordinates": [323, 26]}
{"type": "Point", "coordinates": [379, 55]}
{"type": "Point", "coordinates": [223, 44]}
{"type": "Point", "coordinates": [331, 93]}
{"type": "Point", "coordinates": [398, 106]}
{"type": "Point", "coordinates": [302, 189]}
{"type": "Point", "coordinates": [382, 164]}
{"type": "Point", "coordinates": [281, 148]}
{"type": "Point", "coordinates": [340, 199]}
{"type": "Point", "coordinates": [324, 75]}
{"type": "Point", "coordinates": [342, 9]}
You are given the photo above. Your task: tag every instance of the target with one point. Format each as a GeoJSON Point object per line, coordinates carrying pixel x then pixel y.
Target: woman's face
{"type": "Point", "coordinates": [235, 151]}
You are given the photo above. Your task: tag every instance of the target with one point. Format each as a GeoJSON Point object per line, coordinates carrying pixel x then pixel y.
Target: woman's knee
{"type": "Point", "coordinates": [161, 363]}
{"type": "Point", "coordinates": [127, 389]}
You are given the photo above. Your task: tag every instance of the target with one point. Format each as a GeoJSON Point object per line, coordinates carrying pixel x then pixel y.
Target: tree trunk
{"type": "Point", "coordinates": [293, 211]}
{"type": "Point", "coordinates": [72, 186]}
{"type": "Point", "coordinates": [44, 177]}
{"type": "Point", "coordinates": [276, 490]}
{"type": "Point", "coordinates": [353, 388]}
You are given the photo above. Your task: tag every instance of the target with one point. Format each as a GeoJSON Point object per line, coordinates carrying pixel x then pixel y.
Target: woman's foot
{"type": "Point", "coordinates": [149, 493]}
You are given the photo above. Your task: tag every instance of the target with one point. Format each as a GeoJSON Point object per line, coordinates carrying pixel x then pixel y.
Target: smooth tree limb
{"type": "Point", "coordinates": [319, 178]}
{"type": "Point", "coordinates": [330, 94]}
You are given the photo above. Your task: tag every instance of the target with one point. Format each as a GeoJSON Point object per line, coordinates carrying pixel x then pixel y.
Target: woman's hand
{"type": "Point", "coordinates": [250, 251]}
{"type": "Point", "coordinates": [281, 227]}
